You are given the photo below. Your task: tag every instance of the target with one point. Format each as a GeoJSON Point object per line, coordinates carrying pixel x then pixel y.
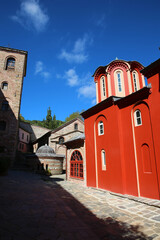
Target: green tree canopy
{"type": "Point", "coordinates": [73, 115]}
{"type": "Point", "coordinates": [48, 122]}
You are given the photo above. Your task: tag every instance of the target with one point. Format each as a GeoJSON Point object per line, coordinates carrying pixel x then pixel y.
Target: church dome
{"type": "Point", "coordinates": [45, 149]}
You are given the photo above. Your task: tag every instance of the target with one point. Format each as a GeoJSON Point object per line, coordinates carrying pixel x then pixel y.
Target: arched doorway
{"type": "Point", "coordinates": [76, 165]}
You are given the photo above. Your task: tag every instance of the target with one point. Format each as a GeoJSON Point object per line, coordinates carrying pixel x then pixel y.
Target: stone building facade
{"type": "Point", "coordinates": [75, 159]}
{"type": "Point", "coordinates": [24, 139]}
{"type": "Point", "coordinates": [12, 71]}
{"type": "Point", "coordinates": [63, 134]}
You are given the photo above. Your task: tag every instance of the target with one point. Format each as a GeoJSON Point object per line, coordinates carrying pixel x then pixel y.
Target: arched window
{"type": "Point", "coordinates": [103, 158]}
{"type": "Point", "coordinates": [103, 88]}
{"type": "Point", "coordinates": [135, 81]}
{"type": "Point", "coordinates": [2, 125]}
{"type": "Point", "coordinates": [119, 81]}
{"type": "Point", "coordinates": [76, 165]}
{"type": "Point", "coordinates": [100, 128]}
{"type": "Point", "coordinates": [4, 85]}
{"type": "Point", "coordinates": [76, 126]}
{"type": "Point", "coordinates": [137, 118]}
{"type": "Point", "coordinates": [61, 140]}
{"type": "Point", "coordinates": [10, 63]}
{"type": "Point", "coordinates": [5, 106]}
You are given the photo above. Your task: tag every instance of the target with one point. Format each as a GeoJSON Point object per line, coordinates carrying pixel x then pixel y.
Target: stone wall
{"type": "Point", "coordinates": [14, 78]}
{"type": "Point", "coordinates": [70, 150]}
{"type": "Point", "coordinates": [67, 131]}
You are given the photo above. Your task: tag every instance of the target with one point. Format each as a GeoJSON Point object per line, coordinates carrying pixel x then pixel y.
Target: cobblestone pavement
{"type": "Point", "coordinates": [34, 207]}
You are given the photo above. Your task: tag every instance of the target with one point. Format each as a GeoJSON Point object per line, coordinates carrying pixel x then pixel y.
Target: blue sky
{"type": "Point", "coordinates": [67, 40]}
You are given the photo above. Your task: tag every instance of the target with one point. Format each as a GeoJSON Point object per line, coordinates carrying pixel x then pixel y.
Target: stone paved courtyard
{"type": "Point", "coordinates": [42, 208]}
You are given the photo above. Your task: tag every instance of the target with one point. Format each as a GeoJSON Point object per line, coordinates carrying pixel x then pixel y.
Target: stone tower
{"type": "Point", "coordinates": [12, 71]}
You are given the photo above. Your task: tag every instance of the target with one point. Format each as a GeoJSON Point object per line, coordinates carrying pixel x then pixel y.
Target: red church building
{"type": "Point", "coordinates": [122, 131]}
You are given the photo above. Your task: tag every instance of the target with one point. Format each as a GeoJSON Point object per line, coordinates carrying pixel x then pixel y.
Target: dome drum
{"type": "Point", "coordinates": [46, 160]}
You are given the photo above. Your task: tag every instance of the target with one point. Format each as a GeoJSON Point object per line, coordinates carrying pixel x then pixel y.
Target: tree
{"type": "Point", "coordinates": [48, 121]}
{"type": "Point", "coordinates": [73, 115]}
{"type": "Point", "coordinates": [54, 122]}
{"type": "Point", "coordinates": [21, 118]}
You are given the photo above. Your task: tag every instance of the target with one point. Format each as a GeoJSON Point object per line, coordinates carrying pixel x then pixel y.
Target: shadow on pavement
{"type": "Point", "coordinates": [32, 209]}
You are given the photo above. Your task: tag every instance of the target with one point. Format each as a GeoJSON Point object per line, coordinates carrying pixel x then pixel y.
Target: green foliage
{"type": "Point", "coordinates": [73, 115]}
{"type": "Point", "coordinates": [4, 164]}
{"type": "Point", "coordinates": [48, 172]}
{"type": "Point", "coordinates": [21, 118]}
{"type": "Point", "coordinates": [51, 122]}
{"type": "Point", "coordinates": [48, 122]}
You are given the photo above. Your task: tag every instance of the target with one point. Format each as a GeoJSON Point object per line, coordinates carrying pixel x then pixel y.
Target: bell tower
{"type": "Point", "coordinates": [12, 71]}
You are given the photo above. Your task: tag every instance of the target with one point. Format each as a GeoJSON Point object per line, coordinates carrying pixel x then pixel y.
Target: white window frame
{"type": "Point", "coordinates": [103, 88]}
{"type": "Point", "coordinates": [103, 159]}
{"type": "Point", "coordinates": [135, 81]}
{"type": "Point", "coordinates": [100, 128]}
{"type": "Point", "coordinates": [119, 81]}
{"type": "Point", "coordinates": [136, 118]}
{"type": "Point", "coordinates": [119, 85]}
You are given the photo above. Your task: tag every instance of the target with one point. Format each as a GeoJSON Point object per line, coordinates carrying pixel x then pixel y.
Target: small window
{"type": "Point", "coordinates": [10, 63]}
{"type": "Point", "coordinates": [103, 87]}
{"type": "Point", "coordinates": [2, 125]}
{"type": "Point", "coordinates": [76, 126]}
{"type": "Point", "coordinates": [4, 106]}
{"type": "Point", "coordinates": [27, 138]}
{"type": "Point", "coordinates": [137, 118]}
{"type": "Point", "coordinates": [103, 157]}
{"type": "Point", "coordinates": [22, 135]}
{"type": "Point", "coordinates": [119, 81]}
{"type": "Point", "coordinates": [61, 140]}
{"type": "Point", "coordinates": [135, 82]}
{"type": "Point", "coordinates": [100, 128]}
{"type": "Point", "coordinates": [4, 85]}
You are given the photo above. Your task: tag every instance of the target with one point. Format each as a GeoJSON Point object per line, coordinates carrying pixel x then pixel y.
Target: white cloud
{"type": "Point", "coordinates": [31, 15]}
{"type": "Point", "coordinates": [101, 22]}
{"type": "Point", "coordinates": [40, 69]}
{"type": "Point", "coordinates": [85, 85]}
{"type": "Point", "coordinates": [73, 57]}
{"type": "Point", "coordinates": [80, 44]}
{"type": "Point", "coordinates": [88, 91]}
{"type": "Point", "coordinates": [77, 54]}
{"type": "Point", "coordinates": [72, 77]}
{"type": "Point", "coordinates": [94, 101]}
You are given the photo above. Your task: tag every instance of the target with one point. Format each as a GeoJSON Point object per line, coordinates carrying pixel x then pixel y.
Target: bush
{"type": "Point", "coordinates": [4, 164]}
{"type": "Point", "coordinates": [48, 172]}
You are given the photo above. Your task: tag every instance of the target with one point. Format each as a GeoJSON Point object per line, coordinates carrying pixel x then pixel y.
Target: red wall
{"type": "Point", "coordinates": [111, 178]}
{"type": "Point", "coordinates": [154, 103]}
{"type": "Point", "coordinates": [131, 165]}
{"type": "Point", "coordinates": [132, 152]}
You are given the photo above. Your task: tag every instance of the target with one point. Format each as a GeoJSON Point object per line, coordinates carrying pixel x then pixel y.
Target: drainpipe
{"type": "Point", "coordinates": [66, 163]}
